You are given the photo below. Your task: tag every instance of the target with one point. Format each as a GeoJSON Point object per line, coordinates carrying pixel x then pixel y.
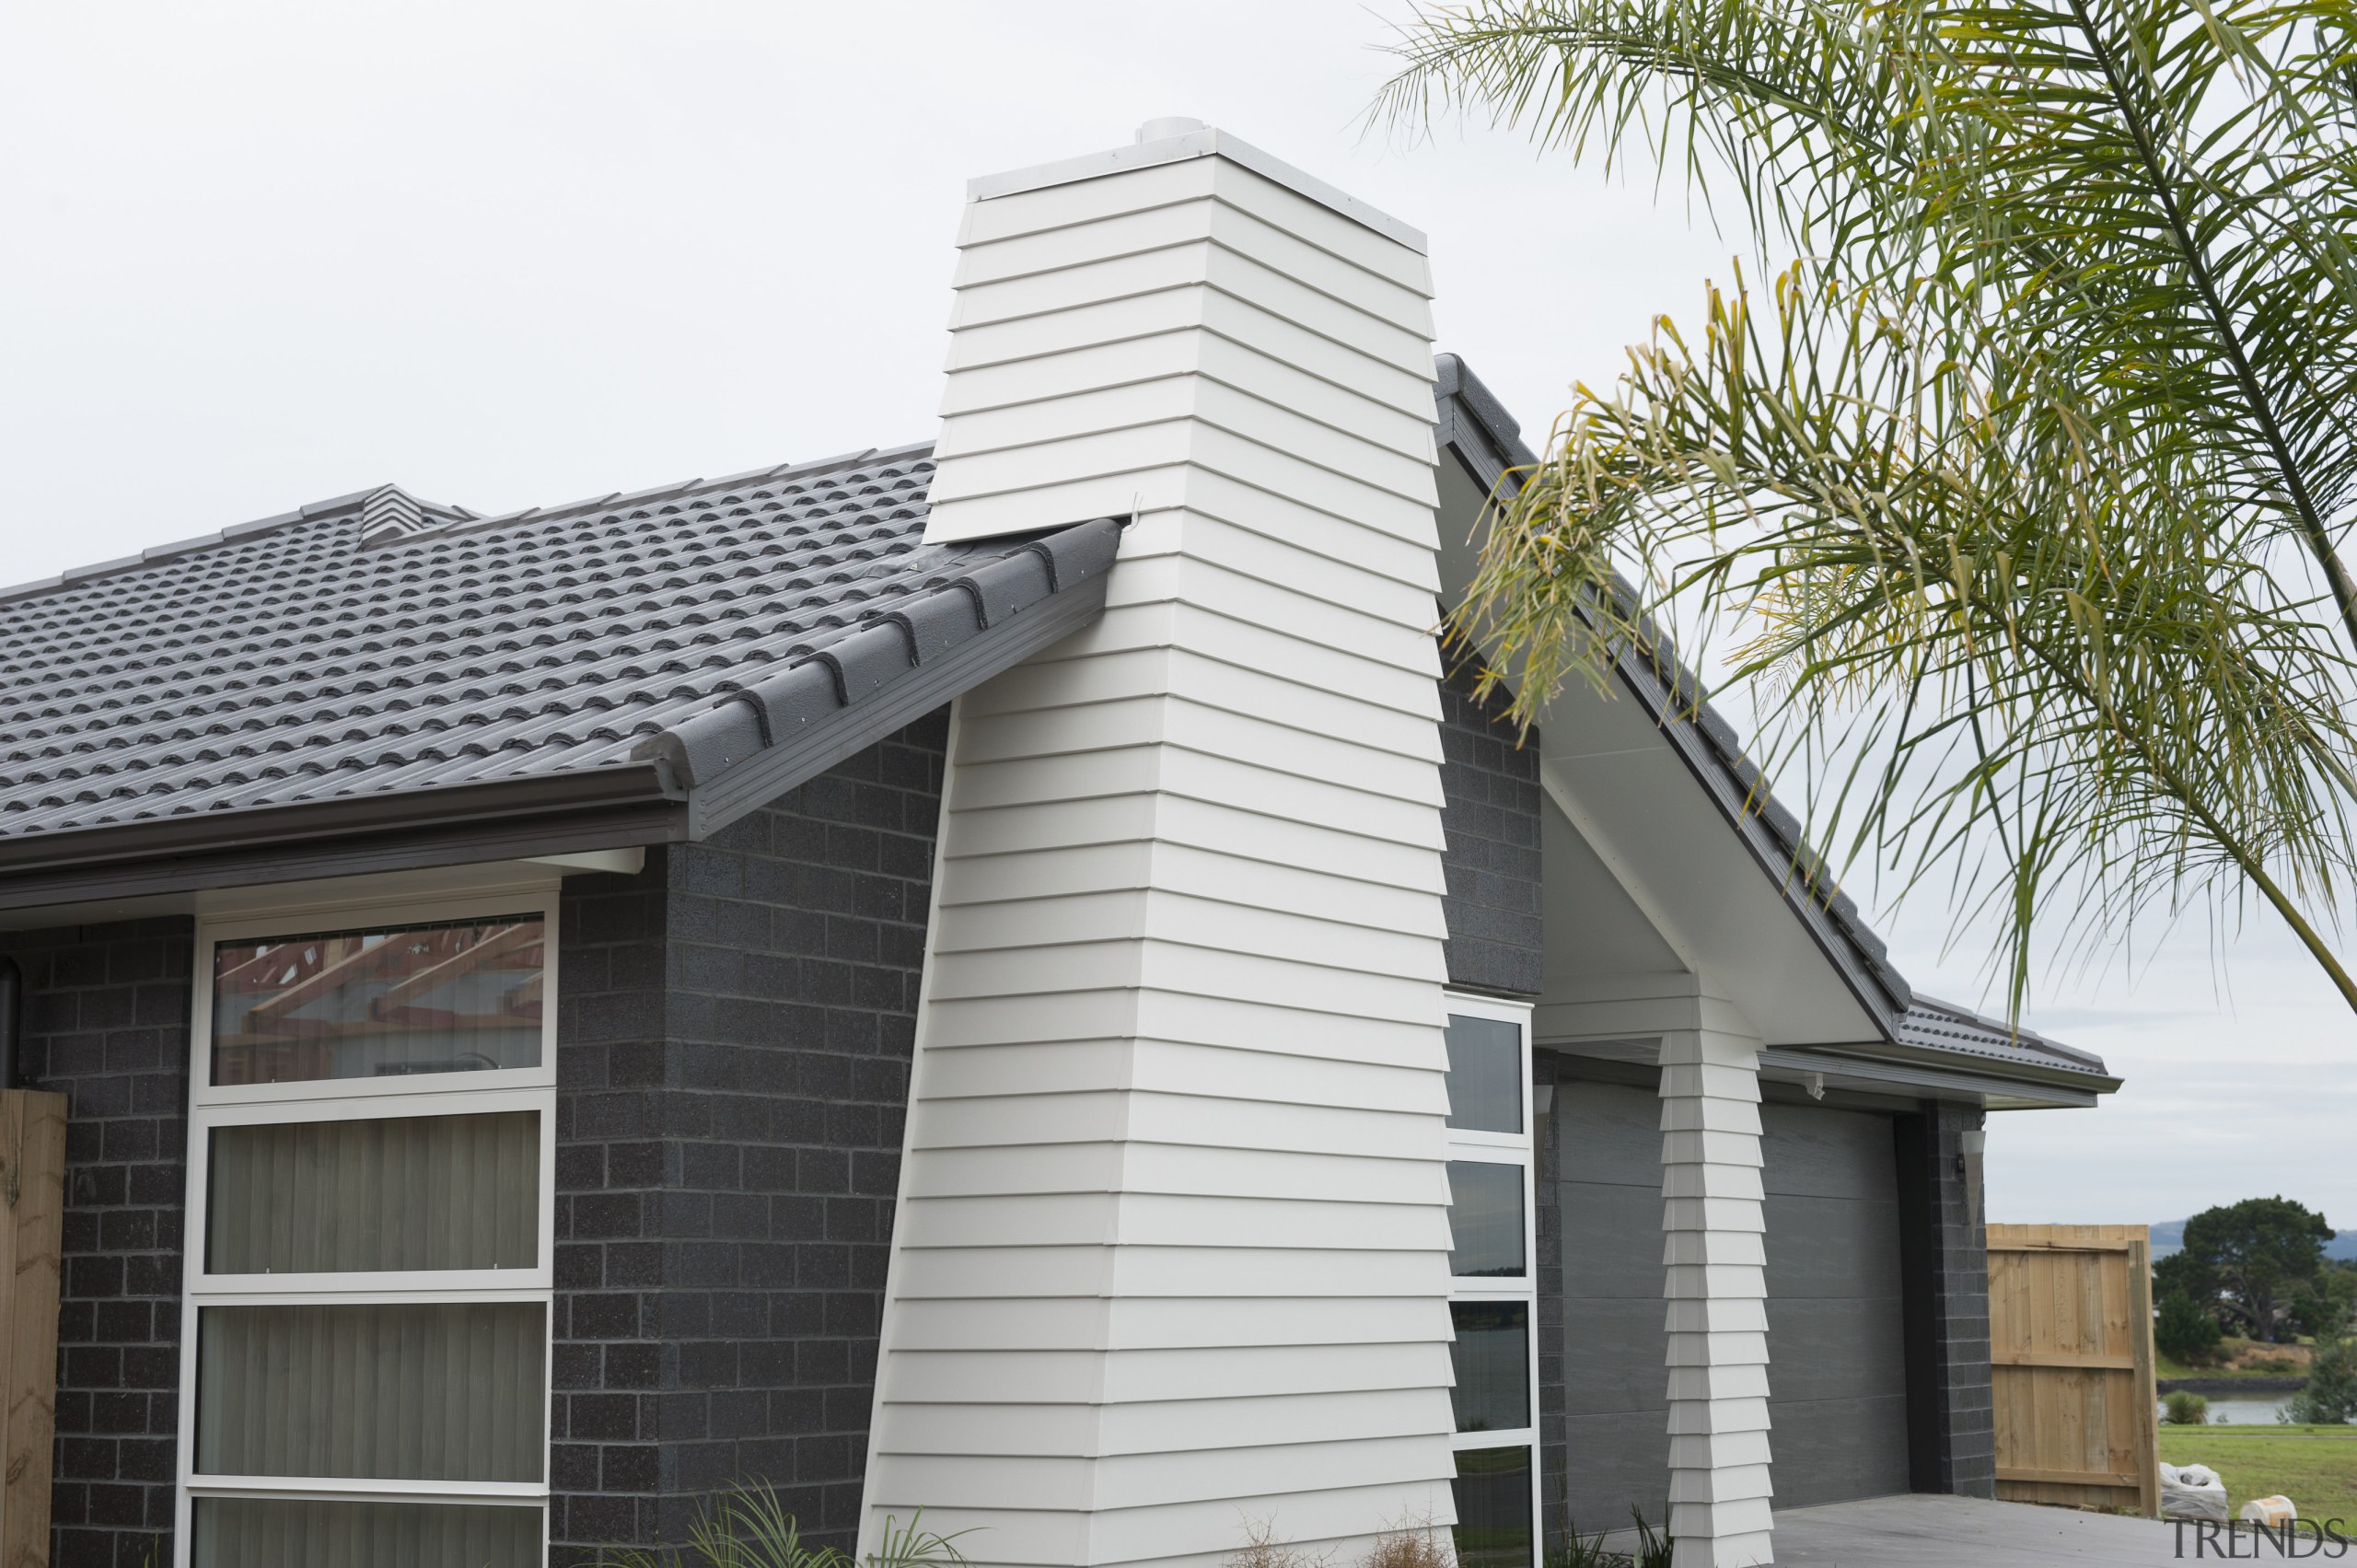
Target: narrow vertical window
{"type": "Point", "coordinates": [1492, 1294]}
{"type": "Point", "coordinates": [371, 1220]}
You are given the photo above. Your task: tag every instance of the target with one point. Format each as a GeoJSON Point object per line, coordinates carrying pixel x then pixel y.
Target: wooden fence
{"type": "Point", "coordinates": [33, 1187]}
{"type": "Point", "coordinates": [2071, 1361]}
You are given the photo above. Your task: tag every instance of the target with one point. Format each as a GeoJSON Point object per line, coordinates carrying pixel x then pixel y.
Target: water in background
{"type": "Point", "coordinates": [2239, 1413]}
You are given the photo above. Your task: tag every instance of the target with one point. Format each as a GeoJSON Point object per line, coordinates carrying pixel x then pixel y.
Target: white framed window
{"type": "Point", "coordinates": [371, 1215]}
{"type": "Point", "coordinates": [1493, 1282]}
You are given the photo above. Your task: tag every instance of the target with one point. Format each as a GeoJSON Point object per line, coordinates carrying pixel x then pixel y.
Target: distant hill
{"type": "Point", "coordinates": [2169, 1236]}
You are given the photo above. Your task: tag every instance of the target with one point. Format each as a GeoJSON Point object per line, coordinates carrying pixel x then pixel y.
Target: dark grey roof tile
{"type": "Point", "coordinates": [1945, 1025]}
{"type": "Point", "coordinates": [280, 661]}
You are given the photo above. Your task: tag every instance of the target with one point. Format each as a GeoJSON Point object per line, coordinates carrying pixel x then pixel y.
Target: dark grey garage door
{"type": "Point", "coordinates": [1837, 1369]}
{"type": "Point", "coordinates": [1837, 1353]}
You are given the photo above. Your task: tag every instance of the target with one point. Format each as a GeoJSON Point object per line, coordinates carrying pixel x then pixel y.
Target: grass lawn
{"type": "Point", "coordinates": [2316, 1467]}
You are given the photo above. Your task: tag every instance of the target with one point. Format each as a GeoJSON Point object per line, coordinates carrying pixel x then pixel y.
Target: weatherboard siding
{"type": "Point", "coordinates": [1171, 1248]}
{"type": "Point", "coordinates": [1714, 1263]}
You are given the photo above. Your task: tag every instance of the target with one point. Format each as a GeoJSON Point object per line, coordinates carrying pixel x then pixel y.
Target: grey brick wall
{"type": "Point", "coordinates": [736, 1029]}
{"type": "Point", "coordinates": [107, 1025]}
{"type": "Point", "coordinates": [1489, 817]}
{"type": "Point", "coordinates": [1952, 1419]}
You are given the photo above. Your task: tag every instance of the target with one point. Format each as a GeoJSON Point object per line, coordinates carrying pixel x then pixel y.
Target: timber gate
{"type": "Point", "coordinates": [2071, 1366]}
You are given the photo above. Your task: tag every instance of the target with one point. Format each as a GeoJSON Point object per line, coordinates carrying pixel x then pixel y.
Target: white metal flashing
{"type": "Point", "coordinates": [1209, 142]}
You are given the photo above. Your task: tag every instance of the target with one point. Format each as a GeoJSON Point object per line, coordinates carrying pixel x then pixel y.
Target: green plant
{"type": "Point", "coordinates": [1652, 1550]}
{"type": "Point", "coordinates": [2323, 1301]}
{"type": "Point", "coordinates": [914, 1546]}
{"type": "Point", "coordinates": [2024, 494]}
{"type": "Point", "coordinates": [2330, 1395]}
{"type": "Point", "coordinates": [2187, 1410]}
{"type": "Point", "coordinates": [745, 1525]}
{"type": "Point", "coordinates": [2183, 1332]}
{"type": "Point", "coordinates": [1581, 1552]}
{"type": "Point", "coordinates": [2258, 1252]}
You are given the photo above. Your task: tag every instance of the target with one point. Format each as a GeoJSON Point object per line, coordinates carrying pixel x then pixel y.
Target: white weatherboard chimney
{"type": "Point", "coordinates": [1171, 1254]}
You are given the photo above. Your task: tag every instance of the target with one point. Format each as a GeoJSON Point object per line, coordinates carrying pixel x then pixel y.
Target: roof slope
{"type": "Point", "coordinates": [1489, 441]}
{"type": "Point", "coordinates": [290, 663]}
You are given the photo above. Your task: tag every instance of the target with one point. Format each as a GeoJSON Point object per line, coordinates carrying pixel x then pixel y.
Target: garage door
{"type": "Point", "coordinates": [1836, 1355]}
{"type": "Point", "coordinates": [1836, 1366]}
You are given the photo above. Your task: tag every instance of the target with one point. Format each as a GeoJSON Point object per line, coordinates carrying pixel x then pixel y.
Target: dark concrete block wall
{"type": "Point", "coordinates": [1490, 817]}
{"type": "Point", "coordinates": [1952, 1429]}
{"type": "Point", "coordinates": [736, 1032]}
{"type": "Point", "coordinates": [107, 1025]}
{"type": "Point", "coordinates": [1553, 1330]}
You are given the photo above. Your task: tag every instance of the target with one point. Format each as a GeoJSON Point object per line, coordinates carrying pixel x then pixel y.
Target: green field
{"type": "Point", "coordinates": [2316, 1467]}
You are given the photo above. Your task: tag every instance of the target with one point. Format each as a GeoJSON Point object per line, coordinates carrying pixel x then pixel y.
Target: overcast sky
{"type": "Point", "coordinates": [508, 253]}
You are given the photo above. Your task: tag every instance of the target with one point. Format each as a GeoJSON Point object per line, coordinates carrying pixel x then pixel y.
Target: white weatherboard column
{"type": "Point", "coordinates": [1171, 1255]}
{"type": "Point", "coordinates": [1714, 1262]}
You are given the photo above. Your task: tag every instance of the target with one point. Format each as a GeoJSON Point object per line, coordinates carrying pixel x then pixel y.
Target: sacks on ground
{"type": "Point", "coordinates": [2275, 1510]}
{"type": "Point", "coordinates": [2192, 1492]}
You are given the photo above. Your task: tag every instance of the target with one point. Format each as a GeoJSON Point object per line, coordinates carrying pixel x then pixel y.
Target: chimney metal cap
{"type": "Point", "coordinates": [1170, 125]}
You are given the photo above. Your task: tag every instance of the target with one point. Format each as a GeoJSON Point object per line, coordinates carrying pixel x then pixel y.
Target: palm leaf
{"type": "Point", "coordinates": [2031, 485]}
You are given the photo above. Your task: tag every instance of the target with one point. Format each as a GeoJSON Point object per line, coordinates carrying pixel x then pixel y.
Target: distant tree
{"type": "Point", "coordinates": [2182, 1273]}
{"type": "Point", "coordinates": [2330, 1396]}
{"type": "Point", "coordinates": [2259, 1251]}
{"type": "Point", "coordinates": [2323, 1306]}
{"type": "Point", "coordinates": [2185, 1332]}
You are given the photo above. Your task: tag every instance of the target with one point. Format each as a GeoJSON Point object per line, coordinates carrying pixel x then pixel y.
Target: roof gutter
{"type": "Point", "coordinates": [608, 808]}
{"type": "Point", "coordinates": [2055, 1074]}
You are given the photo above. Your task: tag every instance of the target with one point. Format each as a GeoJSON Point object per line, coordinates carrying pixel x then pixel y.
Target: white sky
{"type": "Point", "coordinates": [509, 253]}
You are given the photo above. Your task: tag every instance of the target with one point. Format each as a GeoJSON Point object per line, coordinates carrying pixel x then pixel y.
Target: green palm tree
{"type": "Point", "coordinates": [2025, 485]}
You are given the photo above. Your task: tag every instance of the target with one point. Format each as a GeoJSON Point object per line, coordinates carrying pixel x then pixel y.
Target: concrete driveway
{"type": "Point", "coordinates": [1965, 1532]}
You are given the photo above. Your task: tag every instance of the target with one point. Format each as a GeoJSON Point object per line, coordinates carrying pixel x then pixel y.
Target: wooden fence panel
{"type": "Point", "coordinates": [32, 1184]}
{"type": "Point", "coordinates": [2071, 1366]}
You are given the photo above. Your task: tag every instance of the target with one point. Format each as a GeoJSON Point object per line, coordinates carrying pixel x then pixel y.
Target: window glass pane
{"type": "Point", "coordinates": [1491, 1355]}
{"type": "Point", "coordinates": [1485, 1218]}
{"type": "Point", "coordinates": [1484, 1074]}
{"type": "Point", "coordinates": [273, 1532]}
{"type": "Point", "coordinates": [380, 1194]}
{"type": "Point", "coordinates": [411, 1391]}
{"type": "Point", "coordinates": [1492, 1489]}
{"type": "Point", "coordinates": [461, 997]}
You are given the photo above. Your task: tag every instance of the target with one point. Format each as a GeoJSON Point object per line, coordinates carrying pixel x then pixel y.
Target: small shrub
{"type": "Point", "coordinates": [2330, 1396]}
{"type": "Point", "coordinates": [2187, 1410]}
{"type": "Point", "coordinates": [745, 1526]}
{"type": "Point", "coordinates": [2184, 1332]}
{"type": "Point", "coordinates": [1263, 1549]}
{"type": "Point", "coordinates": [1652, 1550]}
{"type": "Point", "coordinates": [1582, 1552]}
{"type": "Point", "coordinates": [1411, 1543]}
